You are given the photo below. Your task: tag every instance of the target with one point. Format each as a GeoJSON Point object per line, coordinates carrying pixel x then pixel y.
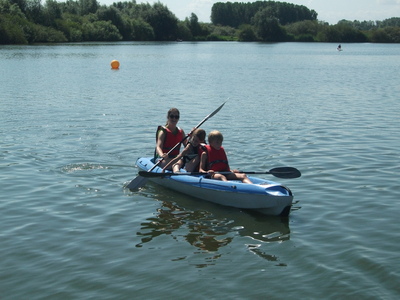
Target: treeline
{"type": "Point", "coordinates": [31, 21]}
{"type": "Point", "coordinates": [280, 21]}
{"type": "Point", "coordinates": [236, 14]}
{"type": "Point", "coordinates": [345, 31]}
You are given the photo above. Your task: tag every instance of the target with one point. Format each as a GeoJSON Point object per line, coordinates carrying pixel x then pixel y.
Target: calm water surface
{"type": "Point", "coordinates": [71, 129]}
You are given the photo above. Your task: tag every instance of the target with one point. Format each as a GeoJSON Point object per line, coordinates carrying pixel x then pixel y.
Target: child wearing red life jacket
{"type": "Point", "coordinates": [167, 137]}
{"type": "Point", "coordinates": [214, 160]}
{"type": "Point", "coordinates": [189, 158]}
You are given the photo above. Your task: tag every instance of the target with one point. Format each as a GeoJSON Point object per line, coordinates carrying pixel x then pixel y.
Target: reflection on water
{"type": "Point", "coordinates": [209, 227]}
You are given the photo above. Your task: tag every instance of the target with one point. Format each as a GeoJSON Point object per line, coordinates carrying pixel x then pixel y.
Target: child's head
{"type": "Point", "coordinates": [215, 139]}
{"type": "Point", "coordinates": [198, 136]}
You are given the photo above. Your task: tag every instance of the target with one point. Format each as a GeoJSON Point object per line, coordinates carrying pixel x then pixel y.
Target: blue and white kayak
{"type": "Point", "coordinates": [264, 196]}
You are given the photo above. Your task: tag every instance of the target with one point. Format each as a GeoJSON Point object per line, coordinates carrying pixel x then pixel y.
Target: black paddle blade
{"type": "Point", "coordinates": [285, 172]}
{"type": "Point", "coordinates": [137, 183]}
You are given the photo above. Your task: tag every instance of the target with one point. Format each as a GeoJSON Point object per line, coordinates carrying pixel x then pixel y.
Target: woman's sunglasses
{"type": "Point", "coordinates": [174, 117]}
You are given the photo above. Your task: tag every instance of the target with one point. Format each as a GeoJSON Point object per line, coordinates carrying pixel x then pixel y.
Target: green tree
{"type": "Point", "coordinates": [70, 7]}
{"type": "Point", "coordinates": [100, 31]}
{"type": "Point", "coordinates": [114, 15]}
{"type": "Point", "coordinates": [328, 34]}
{"type": "Point", "coordinates": [394, 33]}
{"type": "Point", "coordinates": [246, 33]}
{"type": "Point", "coordinates": [43, 34]}
{"type": "Point", "coordinates": [184, 32]}
{"type": "Point", "coordinates": [12, 29]}
{"type": "Point", "coordinates": [303, 31]}
{"type": "Point", "coordinates": [391, 22]}
{"type": "Point", "coordinates": [22, 4]}
{"type": "Point", "coordinates": [385, 35]}
{"type": "Point", "coordinates": [51, 12]}
{"type": "Point", "coordinates": [236, 14]}
{"type": "Point", "coordinates": [164, 23]}
{"type": "Point", "coordinates": [193, 25]}
{"type": "Point", "coordinates": [30, 21]}
{"type": "Point", "coordinates": [71, 26]}
{"type": "Point", "coordinates": [88, 6]}
{"type": "Point", "coordinates": [142, 31]}
{"type": "Point", "coordinates": [340, 33]}
{"type": "Point", "coordinates": [267, 28]}
{"type": "Point", "coordinates": [306, 27]}
{"type": "Point", "coordinates": [379, 36]}
{"type": "Point", "coordinates": [34, 11]}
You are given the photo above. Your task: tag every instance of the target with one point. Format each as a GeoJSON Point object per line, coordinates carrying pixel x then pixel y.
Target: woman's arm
{"type": "Point", "coordinates": [160, 144]}
{"type": "Point", "coordinates": [176, 159]}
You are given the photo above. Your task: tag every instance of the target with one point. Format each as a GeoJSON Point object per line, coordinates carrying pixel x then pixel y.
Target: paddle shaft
{"type": "Point", "coordinates": [282, 172]}
{"type": "Point", "coordinates": [190, 133]}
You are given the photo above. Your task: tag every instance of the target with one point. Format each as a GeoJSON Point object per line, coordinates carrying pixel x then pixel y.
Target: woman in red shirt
{"type": "Point", "coordinates": [167, 137]}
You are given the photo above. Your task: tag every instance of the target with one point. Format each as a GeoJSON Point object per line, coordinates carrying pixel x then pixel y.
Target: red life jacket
{"type": "Point", "coordinates": [171, 140]}
{"type": "Point", "coordinates": [201, 148]}
{"type": "Point", "coordinates": [216, 159]}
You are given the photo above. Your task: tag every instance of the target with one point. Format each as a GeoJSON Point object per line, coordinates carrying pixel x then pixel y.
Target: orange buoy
{"type": "Point", "coordinates": [115, 64]}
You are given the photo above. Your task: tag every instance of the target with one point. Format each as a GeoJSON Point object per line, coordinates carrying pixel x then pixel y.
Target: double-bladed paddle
{"type": "Point", "coordinates": [281, 172]}
{"type": "Point", "coordinates": [140, 180]}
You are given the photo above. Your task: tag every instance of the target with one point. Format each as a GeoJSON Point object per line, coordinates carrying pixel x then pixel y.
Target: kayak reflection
{"type": "Point", "coordinates": [209, 227]}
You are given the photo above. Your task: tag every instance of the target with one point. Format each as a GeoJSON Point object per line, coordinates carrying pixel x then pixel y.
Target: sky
{"type": "Point", "coordinates": [330, 11]}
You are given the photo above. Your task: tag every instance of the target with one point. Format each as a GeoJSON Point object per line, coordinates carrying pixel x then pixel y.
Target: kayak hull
{"type": "Point", "coordinates": [264, 196]}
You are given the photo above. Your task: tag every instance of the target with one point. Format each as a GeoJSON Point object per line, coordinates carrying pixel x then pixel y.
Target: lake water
{"type": "Point", "coordinates": [71, 130]}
